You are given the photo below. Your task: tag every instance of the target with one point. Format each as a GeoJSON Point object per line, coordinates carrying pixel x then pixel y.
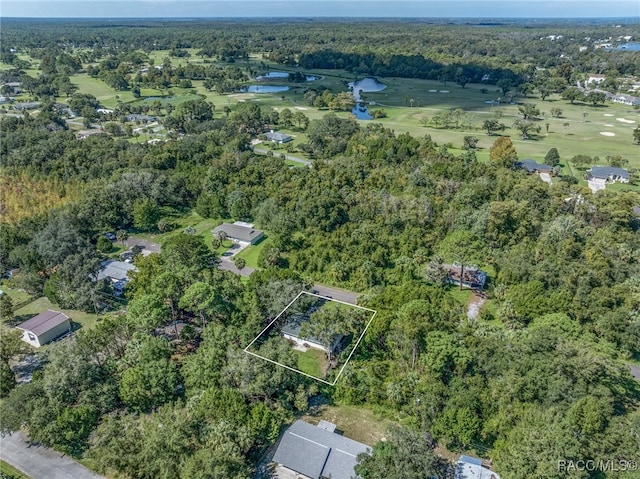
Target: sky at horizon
{"type": "Point", "coordinates": [320, 8]}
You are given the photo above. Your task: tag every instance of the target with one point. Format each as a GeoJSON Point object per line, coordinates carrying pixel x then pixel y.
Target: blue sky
{"type": "Point", "coordinates": [321, 8]}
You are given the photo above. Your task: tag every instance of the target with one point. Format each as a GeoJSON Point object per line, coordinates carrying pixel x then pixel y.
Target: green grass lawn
{"type": "Point", "coordinates": [356, 423]}
{"type": "Point", "coordinates": [85, 320]}
{"type": "Point", "coordinates": [10, 472]}
{"type": "Point", "coordinates": [251, 253]}
{"type": "Point", "coordinates": [312, 362]}
{"type": "Point", "coordinates": [18, 296]}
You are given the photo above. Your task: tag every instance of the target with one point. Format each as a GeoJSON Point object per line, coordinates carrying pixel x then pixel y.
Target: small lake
{"type": "Point", "coordinates": [264, 89]}
{"type": "Point", "coordinates": [154, 98]}
{"type": "Point", "coordinates": [361, 112]}
{"type": "Point", "coordinates": [280, 75]}
{"type": "Point", "coordinates": [633, 47]}
{"type": "Point", "coordinates": [366, 85]}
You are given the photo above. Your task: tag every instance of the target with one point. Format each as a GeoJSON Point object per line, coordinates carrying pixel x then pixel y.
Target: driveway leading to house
{"type": "Point", "coordinates": [227, 265]}
{"type": "Point", "coordinates": [145, 244]}
{"type": "Point", "coordinates": [41, 462]}
{"type": "Point", "coordinates": [297, 159]}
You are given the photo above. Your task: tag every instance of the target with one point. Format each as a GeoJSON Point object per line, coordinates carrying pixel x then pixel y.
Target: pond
{"type": "Point", "coordinates": [634, 47]}
{"type": "Point", "coordinates": [366, 85]}
{"type": "Point", "coordinates": [154, 98]}
{"type": "Point", "coordinates": [264, 89]}
{"type": "Point", "coordinates": [361, 112]}
{"type": "Point", "coordinates": [279, 75]}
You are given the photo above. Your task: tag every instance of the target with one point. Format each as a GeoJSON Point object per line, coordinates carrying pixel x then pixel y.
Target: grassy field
{"type": "Point", "coordinates": [85, 320]}
{"type": "Point", "coordinates": [355, 423]}
{"type": "Point", "coordinates": [251, 253]}
{"type": "Point", "coordinates": [312, 362]}
{"type": "Point", "coordinates": [411, 104]}
{"type": "Point", "coordinates": [7, 471]}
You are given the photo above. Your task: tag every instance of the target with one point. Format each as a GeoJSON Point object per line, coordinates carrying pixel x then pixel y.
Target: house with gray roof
{"type": "Point", "coordinates": [278, 137]}
{"type": "Point", "coordinates": [469, 467]}
{"type": "Point", "coordinates": [117, 272]}
{"type": "Point", "coordinates": [239, 231]}
{"type": "Point", "coordinates": [608, 174]}
{"type": "Point", "coordinates": [318, 452]}
{"type": "Point", "coordinates": [44, 328]}
{"type": "Point", "coordinates": [532, 166]}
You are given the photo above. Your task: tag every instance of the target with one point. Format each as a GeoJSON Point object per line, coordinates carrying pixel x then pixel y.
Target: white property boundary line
{"type": "Point", "coordinates": [246, 349]}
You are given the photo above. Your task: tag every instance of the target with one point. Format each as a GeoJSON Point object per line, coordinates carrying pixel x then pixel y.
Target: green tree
{"type": "Point", "coordinates": [503, 153]}
{"type": "Point", "coordinates": [149, 385]}
{"type": "Point", "coordinates": [529, 111]}
{"type": "Point", "coordinates": [406, 454]}
{"type": "Point", "coordinates": [104, 245]}
{"type": "Point", "coordinates": [552, 157]}
{"type": "Point", "coordinates": [145, 214]}
{"type": "Point", "coordinates": [493, 125]}
{"type": "Point", "coordinates": [6, 307]}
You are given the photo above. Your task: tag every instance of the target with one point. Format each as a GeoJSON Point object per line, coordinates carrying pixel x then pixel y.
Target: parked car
{"type": "Point", "coordinates": [110, 236]}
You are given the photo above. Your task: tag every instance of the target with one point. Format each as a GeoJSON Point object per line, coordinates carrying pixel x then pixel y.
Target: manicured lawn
{"type": "Point", "coordinates": [18, 296]}
{"type": "Point", "coordinates": [85, 320]}
{"type": "Point", "coordinates": [312, 362]}
{"type": "Point", "coordinates": [251, 253]}
{"type": "Point", "coordinates": [103, 92]}
{"type": "Point", "coordinates": [9, 472]}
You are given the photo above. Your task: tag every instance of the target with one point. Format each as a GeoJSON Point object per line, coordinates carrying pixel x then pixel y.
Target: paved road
{"type": "Point", "coordinates": [263, 151]}
{"type": "Point", "coordinates": [335, 293]}
{"type": "Point", "coordinates": [635, 371]}
{"type": "Point", "coordinates": [41, 462]}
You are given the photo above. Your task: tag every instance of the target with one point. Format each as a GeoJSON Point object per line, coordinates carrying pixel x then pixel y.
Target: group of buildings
{"type": "Point", "coordinates": [319, 452]}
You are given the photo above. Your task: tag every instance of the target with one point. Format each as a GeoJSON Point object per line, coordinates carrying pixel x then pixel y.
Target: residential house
{"type": "Point", "coordinates": [608, 174]}
{"type": "Point", "coordinates": [84, 134]}
{"type": "Point", "coordinates": [317, 452]}
{"type": "Point", "coordinates": [31, 105]}
{"type": "Point", "coordinates": [595, 78]}
{"type": "Point", "coordinates": [135, 117]}
{"type": "Point", "coordinates": [532, 166]}
{"type": "Point", "coordinates": [44, 328]}
{"type": "Point", "coordinates": [625, 100]}
{"type": "Point", "coordinates": [241, 232]}
{"type": "Point", "coordinates": [117, 272]}
{"type": "Point", "coordinates": [278, 137]}
{"type": "Point", "coordinates": [469, 467]}
{"type": "Point", "coordinates": [291, 331]}
{"type": "Point", "coordinates": [473, 277]}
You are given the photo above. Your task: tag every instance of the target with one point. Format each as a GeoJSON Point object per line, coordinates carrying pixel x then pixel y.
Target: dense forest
{"type": "Point", "coordinates": [540, 375]}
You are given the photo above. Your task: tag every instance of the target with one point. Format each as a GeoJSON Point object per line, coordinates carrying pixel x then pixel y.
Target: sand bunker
{"type": "Point", "coordinates": [624, 120]}
{"type": "Point", "coordinates": [300, 108]}
{"type": "Point", "coordinates": [608, 114]}
{"type": "Point", "coordinates": [607, 133]}
{"type": "Point", "coordinates": [608, 124]}
{"type": "Point", "coordinates": [433, 91]}
{"type": "Point", "coordinates": [444, 91]}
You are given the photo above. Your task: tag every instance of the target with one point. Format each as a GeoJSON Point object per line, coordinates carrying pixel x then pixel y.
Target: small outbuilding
{"type": "Point", "coordinates": [44, 328]}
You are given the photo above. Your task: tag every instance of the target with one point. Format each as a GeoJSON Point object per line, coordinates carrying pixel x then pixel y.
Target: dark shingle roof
{"type": "Point", "coordinates": [277, 136]}
{"type": "Point", "coordinates": [316, 452]}
{"type": "Point", "coordinates": [43, 322]}
{"type": "Point", "coordinates": [239, 232]}
{"type": "Point", "coordinates": [607, 171]}
{"type": "Point", "coordinates": [532, 165]}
